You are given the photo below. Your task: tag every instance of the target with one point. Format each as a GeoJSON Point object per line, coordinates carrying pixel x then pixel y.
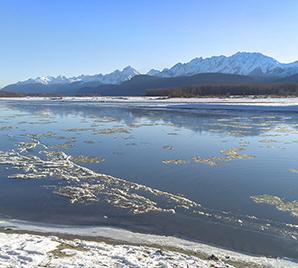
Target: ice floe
{"type": "Point", "coordinates": [278, 203]}
{"type": "Point", "coordinates": [87, 185]}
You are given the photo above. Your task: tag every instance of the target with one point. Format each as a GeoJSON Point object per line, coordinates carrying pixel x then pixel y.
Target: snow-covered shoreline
{"type": "Point", "coordinates": [150, 99]}
{"type": "Point", "coordinates": [25, 244]}
{"type": "Point", "coordinates": [288, 104]}
{"type": "Point", "coordinates": [33, 250]}
{"type": "Point", "coordinates": [28, 250]}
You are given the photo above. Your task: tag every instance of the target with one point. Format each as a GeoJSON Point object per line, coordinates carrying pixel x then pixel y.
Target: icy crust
{"type": "Point", "coordinates": [175, 161]}
{"type": "Point", "coordinates": [86, 159]}
{"type": "Point", "coordinates": [278, 203]}
{"type": "Point", "coordinates": [213, 161]}
{"type": "Point", "coordinates": [87, 186]}
{"type": "Point", "coordinates": [229, 155]}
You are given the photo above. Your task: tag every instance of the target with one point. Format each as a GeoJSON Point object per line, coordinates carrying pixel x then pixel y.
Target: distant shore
{"type": "Point", "coordinates": [149, 99]}
{"type": "Point", "coordinates": [231, 103]}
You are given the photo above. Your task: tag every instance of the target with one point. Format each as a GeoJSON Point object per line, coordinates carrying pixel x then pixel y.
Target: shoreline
{"type": "Point", "coordinates": [280, 101]}
{"type": "Point", "coordinates": [123, 238]}
{"type": "Point", "coordinates": [274, 104]}
{"type": "Point", "coordinates": [202, 256]}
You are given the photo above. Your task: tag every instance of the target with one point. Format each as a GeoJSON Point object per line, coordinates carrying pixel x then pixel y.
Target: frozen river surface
{"type": "Point", "coordinates": [209, 173]}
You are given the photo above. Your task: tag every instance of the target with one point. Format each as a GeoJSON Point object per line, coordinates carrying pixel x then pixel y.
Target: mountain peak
{"type": "Point", "coordinates": [130, 70]}
{"type": "Point", "coordinates": [115, 77]}
{"type": "Point", "coordinates": [241, 63]}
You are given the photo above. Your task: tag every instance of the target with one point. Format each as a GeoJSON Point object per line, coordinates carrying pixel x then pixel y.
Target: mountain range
{"type": "Point", "coordinates": [240, 68]}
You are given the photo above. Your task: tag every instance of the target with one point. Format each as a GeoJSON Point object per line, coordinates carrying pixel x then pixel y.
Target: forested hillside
{"type": "Point", "coordinates": [278, 89]}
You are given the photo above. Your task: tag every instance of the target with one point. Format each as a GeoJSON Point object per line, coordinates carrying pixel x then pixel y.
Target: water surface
{"type": "Point", "coordinates": [192, 173]}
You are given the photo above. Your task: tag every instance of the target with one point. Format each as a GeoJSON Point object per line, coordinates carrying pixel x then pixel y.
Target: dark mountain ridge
{"type": "Point", "coordinates": [290, 79]}
{"type": "Point", "coordinates": [138, 85]}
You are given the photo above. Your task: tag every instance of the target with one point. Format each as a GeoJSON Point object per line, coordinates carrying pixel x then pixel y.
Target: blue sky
{"type": "Point", "coordinates": [73, 37]}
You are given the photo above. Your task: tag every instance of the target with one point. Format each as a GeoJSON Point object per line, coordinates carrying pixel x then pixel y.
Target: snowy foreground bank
{"type": "Point", "coordinates": [31, 250]}
{"type": "Point", "coordinates": [24, 250]}
{"type": "Point", "coordinates": [131, 249]}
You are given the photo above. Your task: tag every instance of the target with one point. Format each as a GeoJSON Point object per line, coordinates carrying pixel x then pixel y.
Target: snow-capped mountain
{"type": "Point", "coordinates": [116, 77]}
{"type": "Point", "coordinates": [242, 63]}
{"type": "Point", "coordinates": [252, 65]}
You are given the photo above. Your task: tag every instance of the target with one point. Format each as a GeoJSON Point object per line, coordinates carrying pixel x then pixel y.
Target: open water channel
{"type": "Point", "coordinates": [224, 177]}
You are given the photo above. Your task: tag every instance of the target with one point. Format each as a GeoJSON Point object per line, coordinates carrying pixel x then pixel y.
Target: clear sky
{"type": "Point", "coordinates": [73, 37]}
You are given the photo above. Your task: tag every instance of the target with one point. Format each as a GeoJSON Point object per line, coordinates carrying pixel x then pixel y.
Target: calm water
{"type": "Point", "coordinates": [136, 143]}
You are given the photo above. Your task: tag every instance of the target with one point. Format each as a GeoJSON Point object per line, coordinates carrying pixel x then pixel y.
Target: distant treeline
{"type": "Point", "coordinates": [11, 94]}
{"type": "Point", "coordinates": [278, 89]}
{"type": "Point", "coordinates": [6, 94]}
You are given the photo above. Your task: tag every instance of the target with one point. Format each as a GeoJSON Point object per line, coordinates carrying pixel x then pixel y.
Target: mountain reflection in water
{"type": "Point", "coordinates": [190, 173]}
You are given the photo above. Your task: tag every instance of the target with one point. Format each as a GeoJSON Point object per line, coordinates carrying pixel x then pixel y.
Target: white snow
{"type": "Point", "coordinates": [115, 77]}
{"type": "Point", "coordinates": [242, 63]}
{"type": "Point", "coordinates": [27, 250]}
{"type": "Point", "coordinates": [24, 250]}
{"type": "Point", "coordinates": [236, 103]}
